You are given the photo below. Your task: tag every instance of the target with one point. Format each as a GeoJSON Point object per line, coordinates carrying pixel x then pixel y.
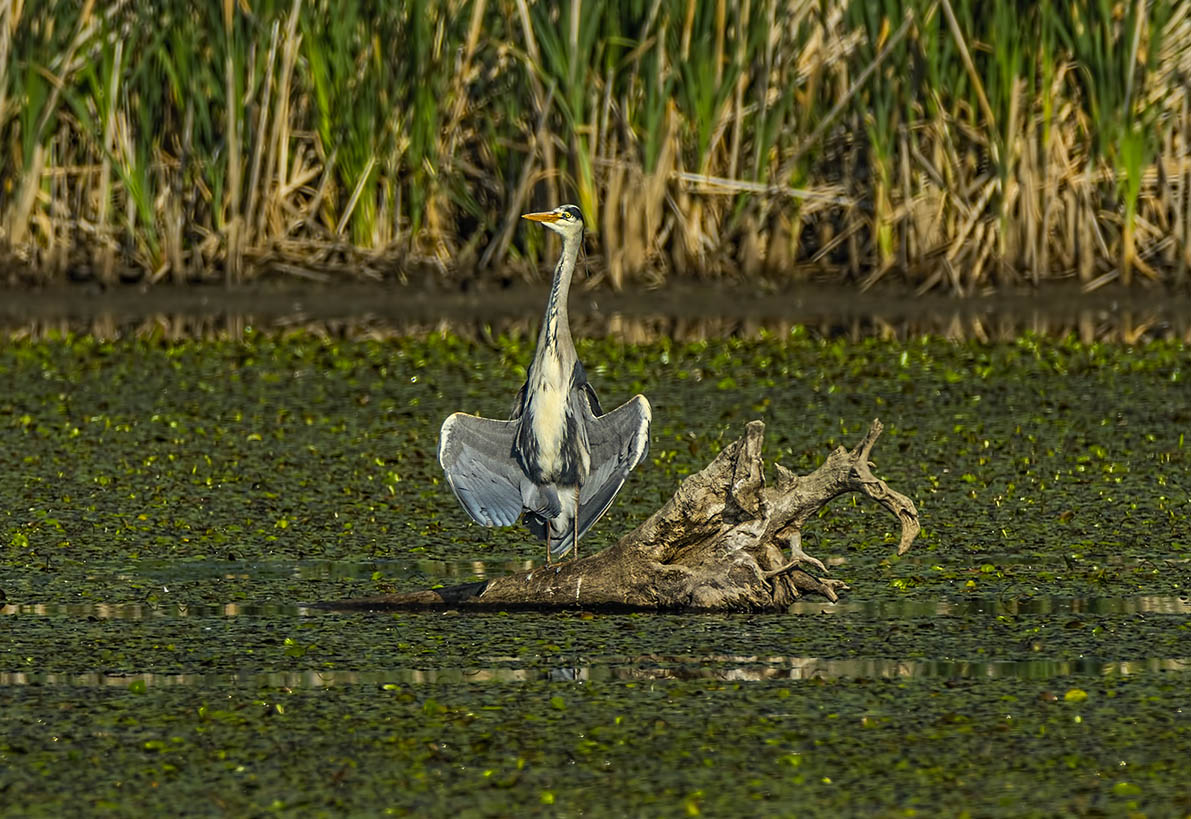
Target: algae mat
{"type": "Point", "coordinates": [168, 508]}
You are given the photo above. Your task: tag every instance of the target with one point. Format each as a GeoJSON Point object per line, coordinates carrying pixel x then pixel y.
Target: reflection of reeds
{"type": "Point", "coordinates": [951, 144]}
{"type": "Point", "coordinates": [1089, 325]}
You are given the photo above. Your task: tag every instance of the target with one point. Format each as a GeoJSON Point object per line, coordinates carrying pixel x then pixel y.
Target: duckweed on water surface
{"type": "Point", "coordinates": [167, 507]}
{"type": "Point", "coordinates": [858, 747]}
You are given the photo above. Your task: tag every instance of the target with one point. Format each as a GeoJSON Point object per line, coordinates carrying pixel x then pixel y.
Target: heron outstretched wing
{"type": "Point", "coordinates": [476, 455]}
{"type": "Point", "coordinates": [579, 382]}
{"type": "Point", "coordinates": [593, 400]}
{"type": "Point", "coordinates": [619, 441]}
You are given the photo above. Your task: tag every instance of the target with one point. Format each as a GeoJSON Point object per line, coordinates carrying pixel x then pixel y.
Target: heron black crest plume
{"type": "Point", "coordinates": [560, 460]}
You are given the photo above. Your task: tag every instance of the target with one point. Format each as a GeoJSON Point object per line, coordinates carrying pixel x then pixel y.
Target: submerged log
{"type": "Point", "coordinates": [724, 542]}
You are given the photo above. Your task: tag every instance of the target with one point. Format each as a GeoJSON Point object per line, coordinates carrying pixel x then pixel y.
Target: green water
{"type": "Point", "coordinates": [168, 509]}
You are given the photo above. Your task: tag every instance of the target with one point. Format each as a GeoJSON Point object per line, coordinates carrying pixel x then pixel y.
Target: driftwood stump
{"type": "Point", "coordinates": [723, 542]}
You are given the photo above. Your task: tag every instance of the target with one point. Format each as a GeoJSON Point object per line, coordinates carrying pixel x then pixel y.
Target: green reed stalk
{"type": "Point", "coordinates": [342, 63]}
{"type": "Point", "coordinates": [879, 112]}
{"type": "Point", "coordinates": [97, 110]}
{"type": "Point", "coordinates": [1107, 46]}
{"type": "Point", "coordinates": [568, 43]}
{"type": "Point", "coordinates": [232, 68]}
{"type": "Point", "coordinates": [1005, 87]}
{"type": "Point", "coordinates": [6, 27]}
{"type": "Point", "coordinates": [49, 50]}
{"type": "Point", "coordinates": [705, 83]}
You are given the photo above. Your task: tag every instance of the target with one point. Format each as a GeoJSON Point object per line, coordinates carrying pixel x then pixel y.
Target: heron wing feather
{"type": "Point", "coordinates": [476, 455]}
{"type": "Point", "coordinates": [619, 441]}
{"type": "Point", "coordinates": [579, 382]}
{"type": "Point", "coordinates": [593, 400]}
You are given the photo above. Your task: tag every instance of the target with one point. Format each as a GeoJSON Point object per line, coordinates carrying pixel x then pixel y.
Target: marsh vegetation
{"type": "Point", "coordinates": [943, 144]}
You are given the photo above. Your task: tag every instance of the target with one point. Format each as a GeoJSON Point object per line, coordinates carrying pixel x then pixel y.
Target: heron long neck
{"type": "Point", "coordinates": [556, 327]}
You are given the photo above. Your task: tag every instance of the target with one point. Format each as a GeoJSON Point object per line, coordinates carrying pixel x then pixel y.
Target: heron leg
{"type": "Point", "coordinates": [575, 529]}
{"type": "Point", "coordinates": [549, 556]}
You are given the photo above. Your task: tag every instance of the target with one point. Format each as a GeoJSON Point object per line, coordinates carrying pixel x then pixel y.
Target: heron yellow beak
{"type": "Point", "coordinates": [548, 216]}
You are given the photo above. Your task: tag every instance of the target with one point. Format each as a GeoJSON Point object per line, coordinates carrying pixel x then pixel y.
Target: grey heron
{"type": "Point", "coordinates": [559, 459]}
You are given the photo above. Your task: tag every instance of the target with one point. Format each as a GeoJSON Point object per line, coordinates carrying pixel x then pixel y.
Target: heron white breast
{"type": "Point", "coordinates": [549, 425]}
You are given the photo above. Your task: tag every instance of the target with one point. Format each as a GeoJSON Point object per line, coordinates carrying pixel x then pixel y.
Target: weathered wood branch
{"type": "Point", "coordinates": [725, 541]}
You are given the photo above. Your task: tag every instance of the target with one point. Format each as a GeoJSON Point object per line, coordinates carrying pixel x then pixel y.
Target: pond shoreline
{"type": "Point", "coordinates": [679, 310]}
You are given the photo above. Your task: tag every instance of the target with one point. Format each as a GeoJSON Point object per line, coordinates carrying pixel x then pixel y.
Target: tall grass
{"type": "Point", "coordinates": [948, 144]}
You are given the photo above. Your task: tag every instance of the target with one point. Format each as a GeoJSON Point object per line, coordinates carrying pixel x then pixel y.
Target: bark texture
{"type": "Point", "coordinates": [724, 542]}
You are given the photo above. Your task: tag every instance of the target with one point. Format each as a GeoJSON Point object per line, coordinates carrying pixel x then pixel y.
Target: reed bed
{"type": "Point", "coordinates": [941, 144]}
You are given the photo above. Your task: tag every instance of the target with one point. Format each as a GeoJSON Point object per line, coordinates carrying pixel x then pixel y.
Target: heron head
{"type": "Point", "coordinates": [564, 219]}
